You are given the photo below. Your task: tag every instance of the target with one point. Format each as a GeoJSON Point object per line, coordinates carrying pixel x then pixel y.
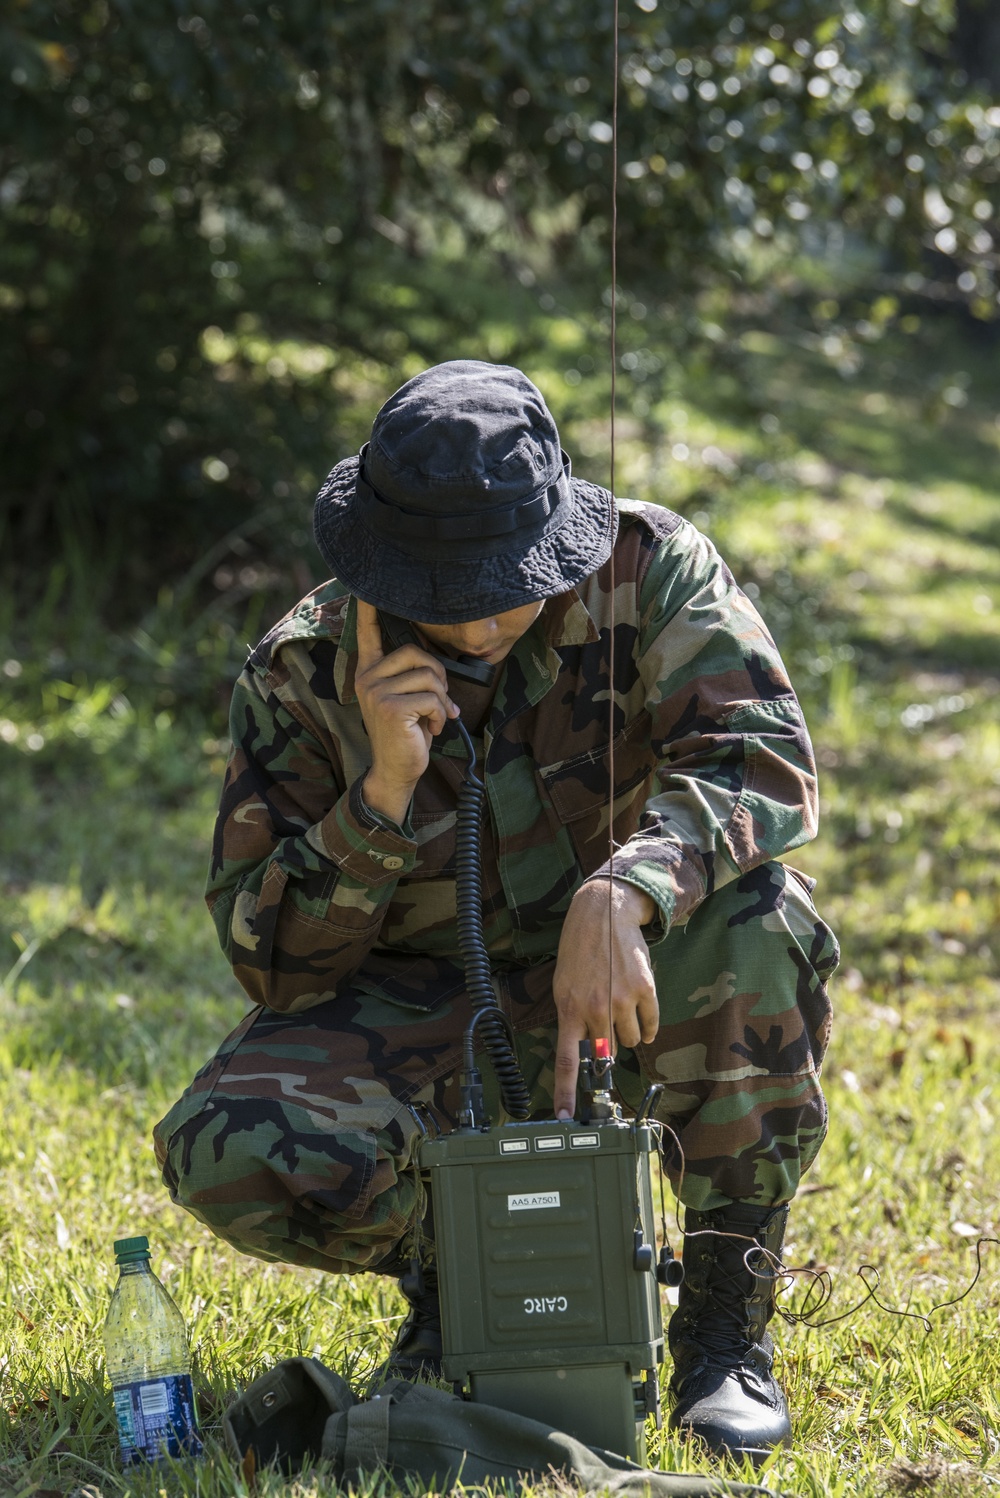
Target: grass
{"type": "Point", "coordinates": [859, 506]}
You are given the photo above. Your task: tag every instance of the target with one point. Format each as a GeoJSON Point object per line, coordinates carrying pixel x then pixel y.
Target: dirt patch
{"type": "Point", "coordinates": [936, 1478]}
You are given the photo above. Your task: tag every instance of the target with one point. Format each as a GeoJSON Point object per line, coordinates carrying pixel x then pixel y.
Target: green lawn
{"type": "Point", "coordinates": [863, 511]}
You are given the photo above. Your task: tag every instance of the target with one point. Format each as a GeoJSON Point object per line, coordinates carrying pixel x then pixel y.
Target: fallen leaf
{"type": "Point", "coordinates": [916, 1477]}
{"type": "Point", "coordinates": [248, 1466]}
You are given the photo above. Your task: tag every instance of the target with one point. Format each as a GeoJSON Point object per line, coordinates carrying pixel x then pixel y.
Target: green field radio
{"type": "Point", "coordinates": [545, 1231]}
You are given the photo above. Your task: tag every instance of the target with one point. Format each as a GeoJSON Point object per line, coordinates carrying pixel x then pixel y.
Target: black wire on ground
{"type": "Point", "coordinates": [487, 1016]}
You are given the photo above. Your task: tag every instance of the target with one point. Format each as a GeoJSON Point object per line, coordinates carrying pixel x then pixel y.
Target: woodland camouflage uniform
{"type": "Point", "coordinates": [296, 1141]}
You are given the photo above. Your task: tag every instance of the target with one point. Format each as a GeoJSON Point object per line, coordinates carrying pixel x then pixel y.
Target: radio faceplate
{"type": "Point", "coordinates": [548, 1306]}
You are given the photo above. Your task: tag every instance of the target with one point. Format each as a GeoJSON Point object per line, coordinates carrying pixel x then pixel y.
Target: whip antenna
{"type": "Point", "coordinates": [611, 573]}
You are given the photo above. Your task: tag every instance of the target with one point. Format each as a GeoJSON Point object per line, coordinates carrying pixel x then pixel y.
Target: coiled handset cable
{"type": "Point", "coordinates": [487, 1016]}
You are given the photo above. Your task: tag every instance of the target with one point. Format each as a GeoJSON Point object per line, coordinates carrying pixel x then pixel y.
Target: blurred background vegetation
{"type": "Point", "coordinates": [226, 235]}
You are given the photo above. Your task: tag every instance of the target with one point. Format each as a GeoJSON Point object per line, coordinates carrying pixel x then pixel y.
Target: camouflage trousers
{"type": "Point", "coordinates": [297, 1141]}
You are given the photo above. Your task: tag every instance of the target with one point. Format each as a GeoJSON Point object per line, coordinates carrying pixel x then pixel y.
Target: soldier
{"type": "Point", "coordinates": [332, 879]}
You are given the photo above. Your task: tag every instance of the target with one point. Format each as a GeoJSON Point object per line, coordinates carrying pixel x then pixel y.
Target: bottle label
{"type": "Point", "coordinates": [156, 1418]}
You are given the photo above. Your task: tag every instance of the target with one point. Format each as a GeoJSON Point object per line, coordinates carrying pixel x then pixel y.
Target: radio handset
{"type": "Point", "coordinates": [398, 632]}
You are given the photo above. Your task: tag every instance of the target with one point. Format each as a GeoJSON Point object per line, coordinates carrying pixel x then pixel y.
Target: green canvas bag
{"type": "Point", "coordinates": [301, 1411]}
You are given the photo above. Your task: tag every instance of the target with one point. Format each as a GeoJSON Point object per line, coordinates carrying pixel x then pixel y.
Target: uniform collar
{"type": "Point", "coordinates": [566, 620]}
{"type": "Point", "coordinates": [346, 662]}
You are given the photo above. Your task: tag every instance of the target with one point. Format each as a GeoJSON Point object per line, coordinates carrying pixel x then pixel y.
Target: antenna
{"type": "Point", "coordinates": [611, 576]}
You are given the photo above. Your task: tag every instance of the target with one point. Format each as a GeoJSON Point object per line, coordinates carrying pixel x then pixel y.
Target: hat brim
{"type": "Point", "coordinates": [458, 589]}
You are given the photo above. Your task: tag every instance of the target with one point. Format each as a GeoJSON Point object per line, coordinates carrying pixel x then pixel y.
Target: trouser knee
{"type": "Point", "coordinates": [334, 1198]}
{"type": "Point", "coordinates": [745, 1021]}
{"type": "Point", "coordinates": [748, 972]}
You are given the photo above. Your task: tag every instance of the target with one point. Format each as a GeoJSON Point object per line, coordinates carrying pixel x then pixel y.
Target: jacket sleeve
{"type": "Point", "coordinates": [301, 872]}
{"type": "Point", "coordinates": [735, 783]}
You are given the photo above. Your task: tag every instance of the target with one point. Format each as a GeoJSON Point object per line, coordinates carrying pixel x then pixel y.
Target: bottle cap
{"type": "Point", "coordinates": [128, 1250]}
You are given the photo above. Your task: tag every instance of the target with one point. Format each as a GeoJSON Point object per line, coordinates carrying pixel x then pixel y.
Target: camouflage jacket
{"type": "Point", "coordinates": [713, 775]}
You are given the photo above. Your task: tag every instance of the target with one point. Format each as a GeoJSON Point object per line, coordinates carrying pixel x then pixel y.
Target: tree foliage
{"type": "Point", "coordinates": [205, 213]}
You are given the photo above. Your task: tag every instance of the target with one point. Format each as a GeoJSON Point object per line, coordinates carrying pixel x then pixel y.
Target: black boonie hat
{"type": "Point", "coordinates": [462, 504]}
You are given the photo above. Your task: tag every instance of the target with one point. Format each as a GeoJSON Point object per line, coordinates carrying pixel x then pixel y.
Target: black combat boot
{"type": "Point", "coordinates": [722, 1383]}
{"type": "Point", "coordinates": [416, 1352]}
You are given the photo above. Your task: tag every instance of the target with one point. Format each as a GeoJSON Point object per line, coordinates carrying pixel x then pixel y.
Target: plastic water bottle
{"type": "Point", "coordinates": [149, 1363]}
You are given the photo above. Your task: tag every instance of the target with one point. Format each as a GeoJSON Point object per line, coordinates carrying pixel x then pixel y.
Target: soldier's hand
{"type": "Point", "coordinates": [588, 943]}
{"type": "Point", "coordinates": [404, 701]}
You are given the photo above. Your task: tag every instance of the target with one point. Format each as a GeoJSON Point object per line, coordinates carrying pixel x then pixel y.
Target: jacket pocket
{"type": "Point", "coordinates": [578, 791]}
{"type": "Point", "coordinates": [423, 983]}
{"type": "Point", "coordinates": [433, 817]}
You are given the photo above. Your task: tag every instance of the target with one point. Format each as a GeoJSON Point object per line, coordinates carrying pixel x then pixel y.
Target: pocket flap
{"type": "Point", "coordinates": [579, 785]}
{"type": "Point", "coordinates": [412, 983]}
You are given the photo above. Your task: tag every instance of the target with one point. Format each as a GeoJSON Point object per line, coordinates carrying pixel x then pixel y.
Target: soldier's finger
{"type": "Point", "coordinates": [567, 1067]}
{"type": "Point", "coordinates": [649, 1015]}
{"type": "Point", "coordinates": [413, 707]}
{"type": "Point", "coordinates": [424, 676]}
{"type": "Point", "coordinates": [400, 664]}
{"type": "Point", "coordinates": [627, 1030]}
{"type": "Point", "coordinates": [370, 650]}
